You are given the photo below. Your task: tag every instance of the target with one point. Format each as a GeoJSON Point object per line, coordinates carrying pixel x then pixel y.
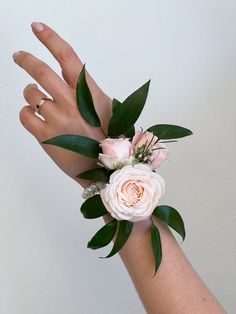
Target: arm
{"type": "Point", "coordinates": [176, 288]}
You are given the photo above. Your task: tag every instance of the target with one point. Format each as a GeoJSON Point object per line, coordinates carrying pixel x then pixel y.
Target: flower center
{"type": "Point", "coordinates": [132, 193]}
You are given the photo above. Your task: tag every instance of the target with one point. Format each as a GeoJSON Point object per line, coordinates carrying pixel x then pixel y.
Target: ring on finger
{"type": "Point", "coordinates": [39, 104]}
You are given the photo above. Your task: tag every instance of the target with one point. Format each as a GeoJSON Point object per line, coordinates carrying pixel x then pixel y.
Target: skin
{"type": "Point", "coordinates": [176, 288]}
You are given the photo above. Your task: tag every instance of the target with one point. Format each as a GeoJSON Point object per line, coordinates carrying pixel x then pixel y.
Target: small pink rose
{"type": "Point", "coordinates": [147, 148]}
{"type": "Point", "coordinates": [133, 192]}
{"type": "Point", "coordinates": [115, 152]}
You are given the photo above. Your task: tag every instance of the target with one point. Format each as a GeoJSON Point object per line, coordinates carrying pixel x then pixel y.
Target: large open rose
{"type": "Point", "coordinates": [133, 192]}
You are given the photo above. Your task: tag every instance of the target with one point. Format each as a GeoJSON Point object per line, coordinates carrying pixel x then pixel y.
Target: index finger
{"type": "Point", "coordinates": [63, 52]}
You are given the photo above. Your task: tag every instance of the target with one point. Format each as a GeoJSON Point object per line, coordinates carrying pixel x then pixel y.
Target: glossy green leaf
{"type": "Point", "coordinates": [85, 100]}
{"type": "Point", "coordinates": [124, 230]}
{"type": "Point", "coordinates": [80, 144]}
{"type": "Point", "coordinates": [156, 246]}
{"type": "Point", "coordinates": [129, 133]}
{"type": "Point", "coordinates": [97, 174]}
{"type": "Point", "coordinates": [171, 217]}
{"type": "Point", "coordinates": [168, 131]}
{"type": "Point", "coordinates": [93, 207]}
{"type": "Point", "coordinates": [126, 114]}
{"type": "Point", "coordinates": [115, 104]}
{"type": "Point", "coordinates": [104, 236]}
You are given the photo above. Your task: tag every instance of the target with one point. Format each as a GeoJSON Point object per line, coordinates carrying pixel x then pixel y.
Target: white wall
{"type": "Point", "coordinates": [187, 48]}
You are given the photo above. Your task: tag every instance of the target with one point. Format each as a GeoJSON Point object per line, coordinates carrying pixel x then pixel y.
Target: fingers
{"type": "Point", "coordinates": [32, 123]}
{"type": "Point", "coordinates": [32, 95]}
{"type": "Point", "coordinates": [44, 75]}
{"type": "Point", "coordinates": [66, 56]}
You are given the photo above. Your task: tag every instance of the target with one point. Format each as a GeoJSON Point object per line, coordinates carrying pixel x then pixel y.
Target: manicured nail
{"type": "Point", "coordinates": [37, 27]}
{"type": "Point", "coordinates": [15, 55]}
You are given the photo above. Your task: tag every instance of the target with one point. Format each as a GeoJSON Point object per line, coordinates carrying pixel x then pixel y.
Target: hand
{"type": "Point", "coordinates": [61, 116]}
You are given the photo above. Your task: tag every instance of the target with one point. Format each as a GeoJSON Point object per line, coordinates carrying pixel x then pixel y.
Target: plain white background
{"type": "Point", "coordinates": [187, 48]}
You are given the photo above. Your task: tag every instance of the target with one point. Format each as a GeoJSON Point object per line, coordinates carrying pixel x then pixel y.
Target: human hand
{"type": "Point", "coordinates": [61, 116]}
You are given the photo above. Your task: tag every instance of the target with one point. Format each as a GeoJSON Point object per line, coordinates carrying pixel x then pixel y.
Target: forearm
{"type": "Point", "coordinates": [176, 288]}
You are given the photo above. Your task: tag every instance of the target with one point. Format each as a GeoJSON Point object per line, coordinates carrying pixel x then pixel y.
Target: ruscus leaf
{"type": "Point", "coordinates": [96, 174]}
{"type": "Point", "coordinates": [80, 144]}
{"type": "Point", "coordinates": [85, 100]}
{"type": "Point", "coordinates": [126, 114]}
{"type": "Point", "coordinates": [156, 246]}
{"type": "Point", "coordinates": [130, 133]}
{"type": "Point", "coordinates": [169, 131]}
{"type": "Point", "coordinates": [115, 104]}
{"type": "Point", "coordinates": [104, 236]}
{"type": "Point", "coordinates": [124, 229]}
{"type": "Point", "coordinates": [171, 217]}
{"type": "Point", "coordinates": [93, 207]}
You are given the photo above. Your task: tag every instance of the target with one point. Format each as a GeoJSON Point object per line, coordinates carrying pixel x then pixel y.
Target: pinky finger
{"type": "Point", "coordinates": [32, 123]}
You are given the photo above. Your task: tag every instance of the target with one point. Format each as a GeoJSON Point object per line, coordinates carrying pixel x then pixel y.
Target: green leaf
{"type": "Point", "coordinates": [130, 132]}
{"type": "Point", "coordinates": [126, 114]}
{"type": "Point", "coordinates": [124, 228]}
{"type": "Point", "coordinates": [115, 104]}
{"type": "Point", "coordinates": [97, 174]}
{"type": "Point", "coordinates": [104, 236]}
{"type": "Point", "coordinates": [156, 246]}
{"type": "Point", "coordinates": [170, 216]}
{"type": "Point", "coordinates": [168, 131]}
{"type": "Point", "coordinates": [85, 101]}
{"type": "Point", "coordinates": [80, 144]}
{"type": "Point", "coordinates": [93, 207]}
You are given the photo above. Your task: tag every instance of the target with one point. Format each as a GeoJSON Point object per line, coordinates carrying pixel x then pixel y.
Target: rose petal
{"type": "Point", "coordinates": [133, 192]}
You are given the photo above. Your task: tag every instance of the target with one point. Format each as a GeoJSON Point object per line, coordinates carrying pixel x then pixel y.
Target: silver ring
{"type": "Point", "coordinates": [40, 103]}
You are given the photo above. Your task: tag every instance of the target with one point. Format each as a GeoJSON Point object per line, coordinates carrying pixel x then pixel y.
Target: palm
{"type": "Point", "coordinates": [72, 163]}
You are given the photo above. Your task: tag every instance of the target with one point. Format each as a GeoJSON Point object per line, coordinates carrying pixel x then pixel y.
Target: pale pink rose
{"type": "Point", "coordinates": [133, 192]}
{"type": "Point", "coordinates": [115, 152]}
{"type": "Point", "coordinates": [148, 141]}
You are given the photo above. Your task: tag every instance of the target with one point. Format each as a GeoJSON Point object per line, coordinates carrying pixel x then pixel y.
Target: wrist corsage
{"type": "Point", "coordinates": [126, 183]}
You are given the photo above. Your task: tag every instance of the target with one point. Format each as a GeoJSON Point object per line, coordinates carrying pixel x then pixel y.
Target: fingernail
{"type": "Point", "coordinates": [37, 27]}
{"type": "Point", "coordinates": [15, 55]}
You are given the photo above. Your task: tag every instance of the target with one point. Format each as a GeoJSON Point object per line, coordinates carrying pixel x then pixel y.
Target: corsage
{"type": "Point", "coordinates": [126, 183]}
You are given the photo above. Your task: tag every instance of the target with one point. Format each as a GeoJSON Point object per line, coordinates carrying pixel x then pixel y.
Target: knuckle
{"type": "Point", "coordinates": [41, 71]}
{"type": "Point", "coordinates": [67, 54]}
